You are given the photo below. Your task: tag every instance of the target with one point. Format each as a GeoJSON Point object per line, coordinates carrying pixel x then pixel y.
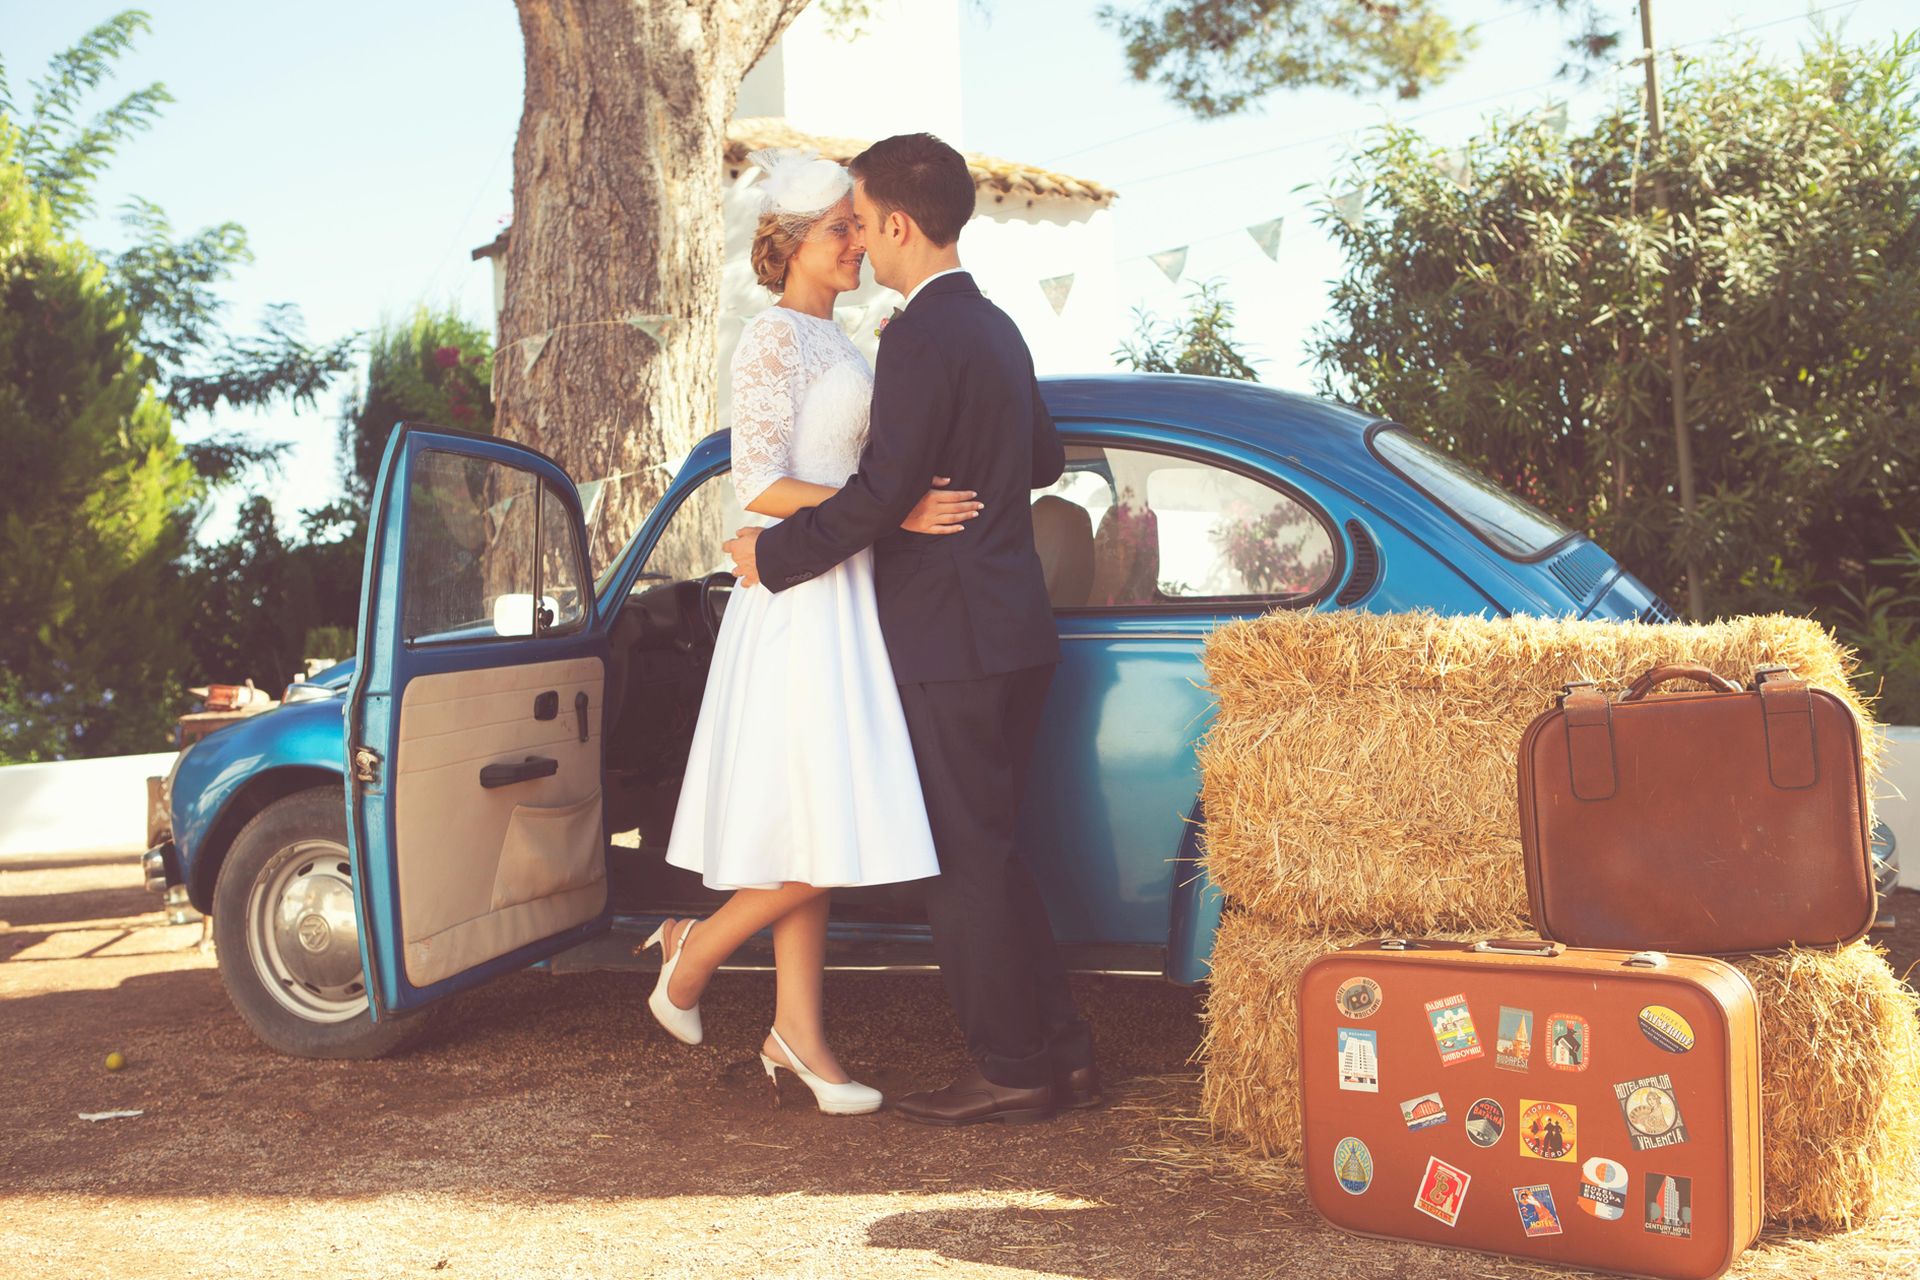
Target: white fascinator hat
{"type": "Point", "coordinates": [799, 186]}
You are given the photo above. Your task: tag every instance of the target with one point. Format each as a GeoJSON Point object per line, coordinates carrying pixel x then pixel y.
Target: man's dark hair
{"type": "Point", "coordinates": [922, 177]}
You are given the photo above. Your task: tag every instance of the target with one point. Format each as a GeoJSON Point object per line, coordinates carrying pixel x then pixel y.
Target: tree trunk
{"type": "Point", "coordinates": [608, 337]}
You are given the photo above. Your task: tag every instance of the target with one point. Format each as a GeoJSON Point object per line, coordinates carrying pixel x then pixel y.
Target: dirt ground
{"type": "Point", "coordinates": [547, 1127]}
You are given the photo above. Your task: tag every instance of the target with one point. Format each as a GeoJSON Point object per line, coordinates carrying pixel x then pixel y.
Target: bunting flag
{"type": "Point", "coordinates": [1554, 117]}
{"type": "Point", "coordinates": [1171, 261]}
{"type": "Point", "coordinates": [590, 499]}
{"type": "Point", "coordinates": [1351, 207]}
{"type": "Point", "coordinates": [1267, 236]}
{"type": "Point", "coordinates": [1057, 288]}
{"type": "Point", "coordinates": [1456, 168]}
{"type": "Point", "coordinates": [531, 353]}
{"type": "Point", "coordinates": [655, 327]}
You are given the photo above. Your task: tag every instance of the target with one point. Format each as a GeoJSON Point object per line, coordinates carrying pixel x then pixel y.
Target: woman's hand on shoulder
{"type": "Point", "coordinates": [943, 510]}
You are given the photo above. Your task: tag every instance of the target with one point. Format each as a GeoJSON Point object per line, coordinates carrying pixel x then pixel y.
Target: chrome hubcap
{"type": "Point", "coordinates": [303, 936]}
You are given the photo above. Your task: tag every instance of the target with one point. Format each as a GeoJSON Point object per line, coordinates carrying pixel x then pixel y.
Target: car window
{"type": "Point", "coordinates": [1128, 528]}
{"type": "Point", "coordinates": [689, 546]}
{"type": "Point", "coordinates": [484, 540]}
{"type": "Point", "coordinates": [1513, 527]}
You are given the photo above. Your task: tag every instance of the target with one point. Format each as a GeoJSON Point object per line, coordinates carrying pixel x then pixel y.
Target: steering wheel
{"type": "Point", "coordinates": [715, 589]}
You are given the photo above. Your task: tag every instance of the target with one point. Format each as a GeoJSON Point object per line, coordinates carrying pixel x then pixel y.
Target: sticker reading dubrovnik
{"type": "Point", "coordinates": [1453, 1030]}
{"type": "Point", "coordinates": [1358, 997]}
{"type": "Point", "coordinates": [1652, 1112]}
{"type": "Point", "coordinates": [1352, 1166]}
{"type": "Point", "coordinates": [1548, 1130]}
{"type": "Point", "coordinates": [1442, 1191]}
{"type": "Point", "coordinates": [1513, 1046]}
{"type": "Point", "coordinates": [1486, 1121]}
{"type": "Point", "coordinates": [1359, 1060]}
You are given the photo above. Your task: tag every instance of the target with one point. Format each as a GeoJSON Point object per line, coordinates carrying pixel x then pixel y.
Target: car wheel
{"type": "Point", "coordinates": [288, 936]}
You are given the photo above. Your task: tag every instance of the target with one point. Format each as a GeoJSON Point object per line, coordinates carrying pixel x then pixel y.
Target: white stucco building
{"type": "Point", "coordinates": [1033, 231]}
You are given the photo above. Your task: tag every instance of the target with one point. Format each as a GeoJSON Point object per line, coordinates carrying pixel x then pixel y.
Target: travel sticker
{"type": "Point", "coordinates": [1538, 1217]}
{"type": "Point", "coordinates": [1603, 1189]}
{"type": "Point", "coordinates": [1453, 1030]}
{"type": "Point", "coordinates": [1667, 1206]}
{"type": "Point", "coordinates": [1442, 1191]}
{"type": "Point", "coordinates": [1359, 1060]}
{"type": "Point", "coordinates": [1548, 1130]}
{"type": "Point", "coordinates": [1652, 1112]}
{"type": "Point", "coordinates": [1666, 1029]}
{"type": "Point", "coordinates": [1352, 1166]}
{"type": "Point", "coordinates": [1423, 1112]}
{"type": "Point", "coordinates": [1486, 1121]}
{"type": "Point", "coordinates": [1358, 997]}
{"type": "Point", "coordinates": [1513, 1047]}
{"type": "Point", "coordinates": [1567, 1042]}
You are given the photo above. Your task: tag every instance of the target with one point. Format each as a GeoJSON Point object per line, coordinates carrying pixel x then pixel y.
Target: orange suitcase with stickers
{"type": "Point", "coordinates": [1595, 1109]}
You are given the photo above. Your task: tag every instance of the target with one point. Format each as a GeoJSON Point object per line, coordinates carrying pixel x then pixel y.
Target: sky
{"type": "Point", "coordinates": [367, 149]}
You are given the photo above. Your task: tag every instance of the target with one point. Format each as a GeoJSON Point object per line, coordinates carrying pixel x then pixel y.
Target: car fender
{"type": "Point", "coordinates": [1195, 907]}
{"type": "Point", "coordinates": [235, 772]}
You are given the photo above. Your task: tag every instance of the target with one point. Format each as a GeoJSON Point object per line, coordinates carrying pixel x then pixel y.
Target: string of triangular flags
{"type": "Point", "coordinates": [1349, 206]}
{"type": "Point", "coordinates": [532, 345]}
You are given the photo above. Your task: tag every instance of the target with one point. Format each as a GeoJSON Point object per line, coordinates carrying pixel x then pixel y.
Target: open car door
{"type": "Point", "coordinates": [473, 720]}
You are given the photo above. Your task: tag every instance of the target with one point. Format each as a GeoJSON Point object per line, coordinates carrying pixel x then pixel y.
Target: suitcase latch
{"type": "Point", "coordinates": [1646, 960]}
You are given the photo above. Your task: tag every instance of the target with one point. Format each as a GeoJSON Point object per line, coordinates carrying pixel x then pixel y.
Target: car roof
{"type": "Point", "coordinates": [1246, 411]}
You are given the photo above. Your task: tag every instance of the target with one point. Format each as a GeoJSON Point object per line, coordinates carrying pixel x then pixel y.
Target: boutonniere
{"type": "Point", "coordinates": [891, 317]}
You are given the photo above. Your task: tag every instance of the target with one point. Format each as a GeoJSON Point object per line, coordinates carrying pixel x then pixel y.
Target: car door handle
{"type": "Point", "coordinates": [503, 775]}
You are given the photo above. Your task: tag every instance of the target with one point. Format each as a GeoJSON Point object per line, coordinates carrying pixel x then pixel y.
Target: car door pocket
{"type": "Point", "coordinates": [549, 849]}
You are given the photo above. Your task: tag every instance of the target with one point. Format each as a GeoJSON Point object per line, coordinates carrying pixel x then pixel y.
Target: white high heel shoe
{"type": "Point", "coordinates": [849, 1099]}
{"type": "Point", "coordinates": [682, 1024]}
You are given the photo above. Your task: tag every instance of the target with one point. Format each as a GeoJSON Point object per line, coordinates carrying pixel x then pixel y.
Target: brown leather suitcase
{"type": "Point", "coordinates": [1584, 1108]}
{"type": "Point", "coordinates": [1713, 823]}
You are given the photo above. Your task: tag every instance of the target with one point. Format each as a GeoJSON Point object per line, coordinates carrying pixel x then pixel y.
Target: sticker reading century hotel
{"type": "Point", "coordinates": [1453, 1030]}
{"type": "Point", "coordinates": [1358, 997]}
{"type": "Point", "coordinates": [1442, 1191]}
{"type": "Point", "coordinates": [1652, 1112]}
{"type": "Point", "coordinates": [1359, 1060]}
{"type": "Point", "coordinates": [1667, 1205]}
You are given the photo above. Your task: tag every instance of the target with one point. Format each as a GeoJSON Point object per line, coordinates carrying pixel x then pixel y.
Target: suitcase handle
{"type": "Point", "coordinates": [1518, 947]}
{"type": "Point", "coordinates": [1678, 671]}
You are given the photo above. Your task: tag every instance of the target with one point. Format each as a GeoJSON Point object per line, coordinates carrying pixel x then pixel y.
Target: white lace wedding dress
{"type": "Point", "coordinates": [801, 768]}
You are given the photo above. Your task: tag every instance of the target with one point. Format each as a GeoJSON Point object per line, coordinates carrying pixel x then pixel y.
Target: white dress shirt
{"type": "Point", "coordinates": [929, 280]}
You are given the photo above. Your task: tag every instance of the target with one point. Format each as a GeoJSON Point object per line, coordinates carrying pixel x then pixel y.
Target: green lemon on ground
{"type": "Point", "coordinates": [115, 1061]}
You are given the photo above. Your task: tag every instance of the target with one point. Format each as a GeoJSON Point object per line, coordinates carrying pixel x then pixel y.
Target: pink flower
{"type": "Point", "coordinates": [447, 357]}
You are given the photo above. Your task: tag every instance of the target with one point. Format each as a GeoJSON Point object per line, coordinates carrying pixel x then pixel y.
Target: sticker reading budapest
{"type": "Point", "coordinates": [1442, 1191]}
{"type": "Point", "coordinates": [1652, 1112]}
{"type": "Point", "coordinates": [1453, 1031]}
{"type": "Point", "coordinates": [1513, 1046]}
{"type": "Point", "coordinates": [1548, 1130]}
{"type": "Point", "coordinates": [1359, 1060]}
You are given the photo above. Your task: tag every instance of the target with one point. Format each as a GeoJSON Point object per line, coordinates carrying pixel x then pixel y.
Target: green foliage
{"type": "Point", "coordinates": [92, 500]}
{"type": "Point", "coordinates": [1220, 57]}
{"type": "Point", "coordinates": [1202, 343]}
{"type": "Point", "coordinates": [1521, 323]}
{"type": "Point", "coordinates": [435, 367]}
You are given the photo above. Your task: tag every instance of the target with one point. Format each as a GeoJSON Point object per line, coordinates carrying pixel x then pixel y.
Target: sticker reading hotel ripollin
{"type": "Point", "coordinates": [1453, 1032]}
{"type": "Point", "coordinates": [1652, 1112]}
{"type": "Point", "coordinates": [1603, 1189]}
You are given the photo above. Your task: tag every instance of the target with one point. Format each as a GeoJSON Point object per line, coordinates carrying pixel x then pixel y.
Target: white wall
{"type": "Point", "coordinates": [901, 76]}
{"type": "Point", "coordinates": [78, 806]}
{"type": "Point", "coordinates": [1897, 803]}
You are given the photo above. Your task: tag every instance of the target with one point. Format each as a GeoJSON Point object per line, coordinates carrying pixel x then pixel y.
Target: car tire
{"type": "Point", "coordinates": [286, 934]}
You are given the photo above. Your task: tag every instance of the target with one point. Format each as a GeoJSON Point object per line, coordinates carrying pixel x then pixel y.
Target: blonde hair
{"type": "Point", "coordinates": [774, 243]}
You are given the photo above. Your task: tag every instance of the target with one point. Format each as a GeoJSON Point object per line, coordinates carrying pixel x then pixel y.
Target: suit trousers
{"type": "Point", "coordinates": [973, 741]}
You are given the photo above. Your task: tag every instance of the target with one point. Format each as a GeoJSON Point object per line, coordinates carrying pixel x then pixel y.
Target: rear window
{"type": "Point", "coordinates": [1513, 528]}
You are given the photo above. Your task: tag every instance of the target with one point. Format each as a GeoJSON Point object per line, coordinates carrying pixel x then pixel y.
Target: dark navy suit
{"type": "Point", "coordinates": [970, 632]}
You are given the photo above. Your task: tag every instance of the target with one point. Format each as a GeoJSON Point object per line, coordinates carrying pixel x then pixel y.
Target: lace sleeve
{"type": "Point", "coordinates": [766, 394]}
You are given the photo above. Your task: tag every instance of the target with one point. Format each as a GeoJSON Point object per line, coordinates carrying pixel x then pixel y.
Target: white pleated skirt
{"type": "Point", "coordinates": [801, 768]}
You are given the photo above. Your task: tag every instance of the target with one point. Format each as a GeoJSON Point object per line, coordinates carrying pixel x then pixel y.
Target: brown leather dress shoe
{"type": "Point", "coordinates": [1078, 1089]}
{"type": "Point", "coordinates": [974, 1099]}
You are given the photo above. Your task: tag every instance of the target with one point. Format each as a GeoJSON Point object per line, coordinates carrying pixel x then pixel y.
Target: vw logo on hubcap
{"type": "Point", "coordinates": [314, 933]}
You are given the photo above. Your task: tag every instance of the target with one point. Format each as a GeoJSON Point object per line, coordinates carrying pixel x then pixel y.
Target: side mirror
{"type": "Point", "coordinates": [513, 613]}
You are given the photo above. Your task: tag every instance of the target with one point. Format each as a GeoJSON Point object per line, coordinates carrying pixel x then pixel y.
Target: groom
{"type": "Point", "coordinates": [967, 623]}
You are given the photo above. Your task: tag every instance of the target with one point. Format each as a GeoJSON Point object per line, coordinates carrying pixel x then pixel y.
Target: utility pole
{"type": "Point", "coordinates": [1676, 353]}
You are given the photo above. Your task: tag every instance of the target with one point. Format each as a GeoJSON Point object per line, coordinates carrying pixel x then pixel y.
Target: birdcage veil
{"type": "Point", "coordinates": [798, 186]}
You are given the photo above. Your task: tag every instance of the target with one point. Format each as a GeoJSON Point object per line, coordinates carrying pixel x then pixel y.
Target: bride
{"type": "Point", "coordinates": [801, 776]}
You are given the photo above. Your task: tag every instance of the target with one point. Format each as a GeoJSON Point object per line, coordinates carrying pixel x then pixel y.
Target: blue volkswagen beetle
{"type": "Point", "coordinates": [492, 783]}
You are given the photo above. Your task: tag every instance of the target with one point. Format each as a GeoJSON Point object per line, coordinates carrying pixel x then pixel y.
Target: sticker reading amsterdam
{"type": "Point", "coordinates": [1651, 1111]}
{"type": "Point", "coordinates": [1453, 1031]}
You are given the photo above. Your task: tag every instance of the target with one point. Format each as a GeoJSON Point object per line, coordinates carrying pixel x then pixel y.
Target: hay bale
{"type": "Point", "coordinates": [1359, 775]}
{"type": "Point", "coordinates": [1839, 1049]}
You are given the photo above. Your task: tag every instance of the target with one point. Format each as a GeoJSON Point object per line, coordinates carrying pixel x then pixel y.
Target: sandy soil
{"type": "Point", "coordinates": [547, 1128]}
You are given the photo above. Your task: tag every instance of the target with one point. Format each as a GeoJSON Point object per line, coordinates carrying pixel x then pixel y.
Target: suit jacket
{"type": "Point", "coordinates": [953, 395]}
